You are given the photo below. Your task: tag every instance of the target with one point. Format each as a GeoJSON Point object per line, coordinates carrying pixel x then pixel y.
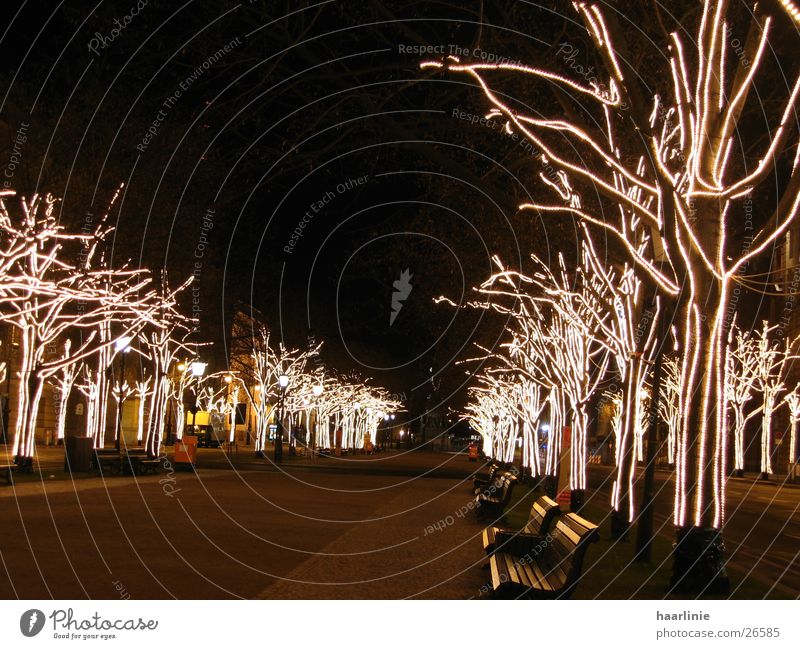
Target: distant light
{"type": "Point", "coordinates": [317, 390]}
{"type": "Point", "coordinates": [228, 378]}
{"type": "Point", "coordinates": [198, 368]}
{"type": "Point", "coordinates": [402, 432]}
{"type": "Point", "coordinates": [123, 344]}
{"type": "Point", "coordinates": [392, 416]}
{"type": "Point", "coordinates": [545, 428]}
{"type": "Point", "coordinates": [181, 367]}
{"type": "Point", "coordinates": [283, 380]}
{"type": "Point", "coordinates": [386, 418]}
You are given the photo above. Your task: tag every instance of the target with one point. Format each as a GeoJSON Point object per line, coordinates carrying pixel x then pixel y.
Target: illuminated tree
{"type": "Point", "coordinates": [792, 401]}
{"type": "Point", "coordinates": [669, 149]}
{"type": "Point", "coordinates": [740, 385]}
{"type": "Point", "coordinates": [56, 285]}
{"type": "Point", "coordinates": [166, 344]}
{"type": "Point", "coordinates": [558, 320]}
{"type": "Point", "coordinates": [669, 403]}
{"type": "Point", "coordinates": [258, 375]}
{"type": "Point", "coordinates": [771, 359]}
{"type": "Point", "coordinates": [62, 384]}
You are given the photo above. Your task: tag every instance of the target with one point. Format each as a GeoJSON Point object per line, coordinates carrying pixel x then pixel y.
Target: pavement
{"type": "Point", "coordinates": [376, 526]}
{"type": "Point", "coordinates": [386, 526]}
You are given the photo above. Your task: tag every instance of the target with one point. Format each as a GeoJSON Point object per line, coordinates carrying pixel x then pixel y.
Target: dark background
{"type": "Point", "coordinates": [311, 95]}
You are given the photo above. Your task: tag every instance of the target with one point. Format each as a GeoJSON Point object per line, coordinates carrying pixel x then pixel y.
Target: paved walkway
{"type": "Point", "coordinates": [376, 530]}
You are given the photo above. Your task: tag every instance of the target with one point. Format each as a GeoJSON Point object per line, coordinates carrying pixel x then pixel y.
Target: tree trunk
{"type": "Point", "coordinates": [698, 553]}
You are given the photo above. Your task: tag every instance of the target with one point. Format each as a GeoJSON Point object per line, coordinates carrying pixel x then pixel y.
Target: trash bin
{"type": "Point", "coordinates": [186, 451]}
{"type": "Point", "coordinates": [78, 454]}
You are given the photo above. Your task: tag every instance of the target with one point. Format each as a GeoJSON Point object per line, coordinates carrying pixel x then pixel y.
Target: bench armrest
{"type": "Point", "coordinates": [518, 543]}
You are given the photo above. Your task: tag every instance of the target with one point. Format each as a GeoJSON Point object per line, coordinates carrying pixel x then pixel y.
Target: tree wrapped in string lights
{"type": "Point", "coordinates": [669, 404]}
{"type": "Point", "coordinates": [792, 401]}
{"type": "Point", "coordinates": [164, 346]}
{"type": "Point", "coordinates": [56, 284]}
{"type": "Point", "coordinates": [669, 148]}
{"type": "Point", "coordinates": [772, 359]}
{"type": "Point", "coordinates": [558, 320]}
{"type": "Point", "coordinates": [259, 374]}
{"type": "Point", "coordinates": [740, 385]}
{"type": "Point", "coordinates": [62, 383]}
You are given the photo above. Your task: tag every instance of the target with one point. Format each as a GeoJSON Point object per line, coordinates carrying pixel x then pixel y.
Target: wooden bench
{"type": "Point", "coordinates": [7, 469]}
{"type": "Point", "coordinates": [493, 500]}
{"type": "Point", "coordinates": [107, 458]}
{"type": "Point", "coordinates": [549, 570]}
{"type": "Point", "coordinates": [480, 483]}
{"type": "Point", "coordinates": [543, 511]}
{"type": "Point", "coordinates": [138, 462]}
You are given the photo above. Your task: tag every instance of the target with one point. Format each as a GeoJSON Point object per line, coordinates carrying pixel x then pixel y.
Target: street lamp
{"type": "Point", "coordinates": [317, 391]}
{"type": "Point", "coordinates": [197, 368]}
{"type": "Point", "coordinates": [122, 346]}
{"type": "Point", "coordinates": [283, 382]}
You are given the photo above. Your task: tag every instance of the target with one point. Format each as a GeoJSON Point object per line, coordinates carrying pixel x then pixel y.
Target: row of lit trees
{"type": "Point", "coordinates": [290, 388]}
{"type": "Point", "coordinates": [74, 313]}
{"type": "Point", "coordinates": [668, 151]}
{"type": "Point", "coordinates": [79, 320]}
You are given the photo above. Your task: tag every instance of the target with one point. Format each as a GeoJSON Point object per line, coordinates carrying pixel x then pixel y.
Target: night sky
{"type": "Point", "coordinates": [293, 156]}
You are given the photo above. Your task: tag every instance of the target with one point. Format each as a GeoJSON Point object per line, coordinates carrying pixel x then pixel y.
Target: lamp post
{"type": "Point", "coordinates": [122, 345]}
{"type": "Point", "coordinates": [7, 398]}
{"type": "Point", "coordinates": [283, 382]}
{"type": "Point", "coordinates": [197, 368]}
{"type": "Point", "coordinates": [317, 390]}
{"type": "Point", "coordinates": [357, 406]}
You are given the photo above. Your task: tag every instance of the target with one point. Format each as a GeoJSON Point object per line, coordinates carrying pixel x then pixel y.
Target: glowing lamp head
{"type": "Point", "coordinates": [283, 381]}
{"type": "Point", "coordinates": [181, 367]}
{"type": "Point", "coordinates": [228, 378]}
{"type": "Point", "coordinates": [386, 418]}
{"type": "Point", "coordinates": [317, 390]}
{"type": "Point", "coordinates": [198, 368]}
{"type": "Point", "coordinates": [123, 344]}
{"type": "Point", "coordinates": [545, 428]}
{"type": "Point", "coordinates": [391, 416]}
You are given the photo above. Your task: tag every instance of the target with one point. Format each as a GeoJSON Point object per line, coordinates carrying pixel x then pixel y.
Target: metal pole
{"type": "Point", "coordinates": [121, 401]}
{"type": "Point", "coordinates": [279, 431]}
